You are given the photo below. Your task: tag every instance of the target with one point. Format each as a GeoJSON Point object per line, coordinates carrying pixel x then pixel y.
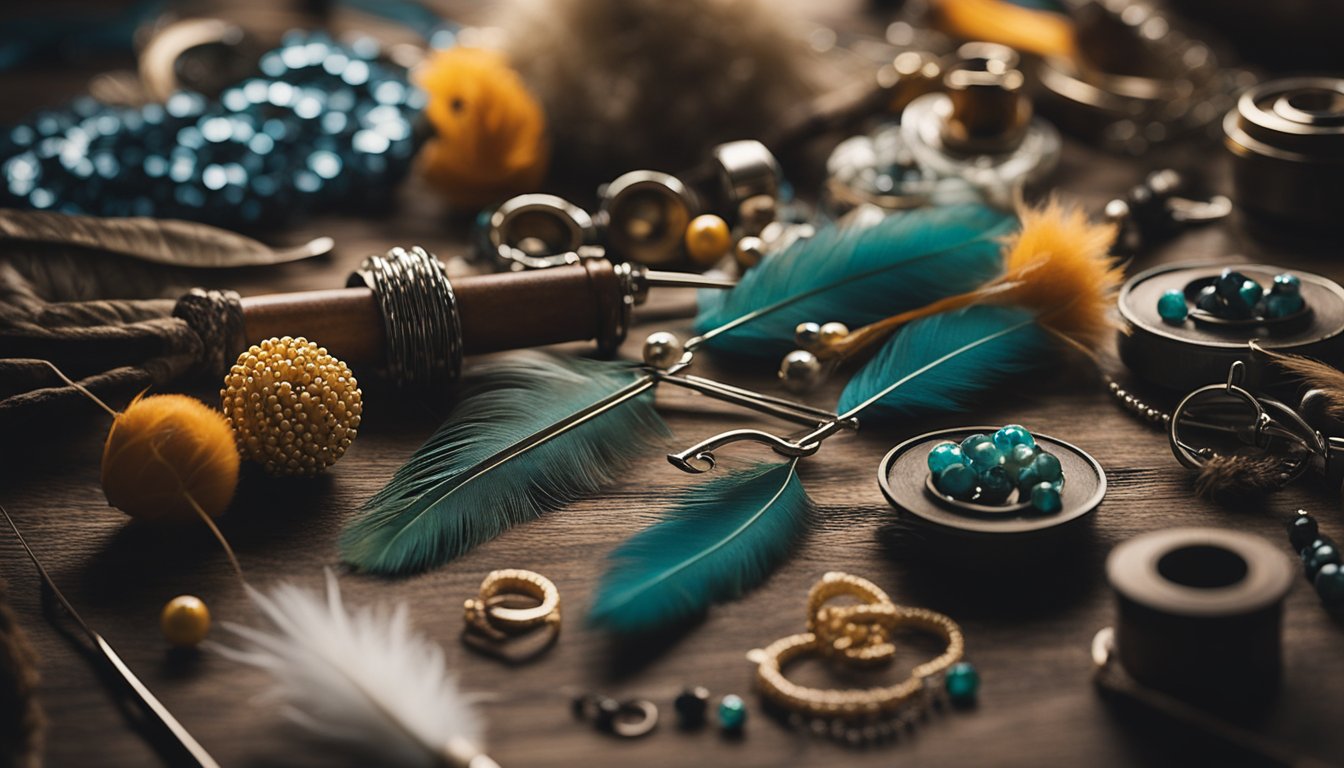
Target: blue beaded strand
{"type": "Point", "coordinates": [322, 126]}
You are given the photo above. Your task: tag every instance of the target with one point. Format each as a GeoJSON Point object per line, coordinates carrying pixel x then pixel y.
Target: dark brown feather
{"type": "Point", "coordinates": [1316, 375]}
{"type": "Point", "coordinates": [1238, 478]}
{"type": "Point", "coordinates": [21, 720]}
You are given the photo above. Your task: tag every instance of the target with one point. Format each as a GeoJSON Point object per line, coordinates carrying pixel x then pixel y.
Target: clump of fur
{"type": "Point", "coordinates": [1238, 479]}
{"type": "Point", "coordinates": [630, 84]}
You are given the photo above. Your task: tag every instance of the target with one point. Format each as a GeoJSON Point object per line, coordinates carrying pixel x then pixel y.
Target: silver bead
{"type": "Point", "coordinates": [806, 336]}
{"type": "Point", "coordinates": [662, 350]}
{"type": "Point", "coordinates": [800, 371]}
{"type": "Point", "coordinates": [832, 333]}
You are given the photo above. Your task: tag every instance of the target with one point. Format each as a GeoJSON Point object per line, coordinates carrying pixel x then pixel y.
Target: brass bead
{"type": "Point", "coordinates": [294, 408]}
{"type": "Point", "coordinates": [707, 239]}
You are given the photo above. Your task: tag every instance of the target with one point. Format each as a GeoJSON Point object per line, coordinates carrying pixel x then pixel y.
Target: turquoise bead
{"type": "Point", "coordinates": [1011, 436]}
{"type": "Point", "coordinates": [1027, 479]}
{"type": "Point", "coordinates": [1287, 283]}
{"type": "Point", "coordinates": [1282, 305]}
{"type": "Point", "coordinates": [983, 455]}
{"type": "Point", "coordinates": [1250, 292]}
{"type": "Point", "coordinates": [1047, 467]}
{"type": "Point", "coordinates": [1021, 456]}
{"type": "Point", "coordinates": [1171, 307]}
{"type": "Point", "coordinates": [1209, 300]}
{"type": "Point", "coordinates": [943, 456]}
{"type": "Point", "coordinates": [732, 713]}
{"type": "Point", "coordinates": [1329, 583]}
{"type": "Point", "coordinates": [974, 440]}
{"type": "Point", "coordinates": [995, 486]}
{"type": "Point", "coordinates": [963, 683]}
{"type": "Point", "coordinates": [957, 481]}
{"type": "Point", "coordinates": [1045, 497]}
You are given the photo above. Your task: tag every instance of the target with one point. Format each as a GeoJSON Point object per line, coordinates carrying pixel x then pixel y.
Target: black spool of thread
{"type": "Point", "coordinates": [1199, 615]}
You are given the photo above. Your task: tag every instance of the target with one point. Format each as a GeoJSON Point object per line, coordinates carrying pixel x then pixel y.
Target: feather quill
{"type": "Point", "coordinates": [362, 679]}
{"type": "Point", "coordinates": [940, 362]}
{"type": "Point", "coordinates": [717, 542]}
{"type": "Point", "coordinates": [856, 276]}
{"type": "Point", "coordinates": [456, 491]}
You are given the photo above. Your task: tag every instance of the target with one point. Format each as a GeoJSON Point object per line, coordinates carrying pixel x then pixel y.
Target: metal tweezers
{"type": "Point", "coordinates": [191, 752]}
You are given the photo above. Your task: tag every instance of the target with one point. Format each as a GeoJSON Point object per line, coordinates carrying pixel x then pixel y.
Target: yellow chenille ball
{"type": "Point", "coordinates": [707, 239]}
{"type": "Point", "coordinates": [185, 621]}
{"type": "Point", "coordinates": [165, 452]}
{"type": "Point", "coordinates": [294, 408]}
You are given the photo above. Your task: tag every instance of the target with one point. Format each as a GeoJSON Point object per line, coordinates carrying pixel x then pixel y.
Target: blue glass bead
{"type": "Point", "coordinates": [1013, 435]}
{"type": "Point", "coordinates": [1229, 284]}
{"type": "Point", "coordinates": [1027, 479]}
{"type": "Point", "coordinates": [1286, 283]}
{"type": "Point", "coordinates": [995, 486]}
{"type": "Point", "coordinates": [1021, 456]}
{"type": "Point", "coordinates": [1045, 497]}
{"type": "Point", "coordinates": [732, 713]}
{"type": "Point", "coordinates": [1282, 305]}
{"type": "Point", "coordinates": [962, 682]}
{"type": "Point", "coordinates": [1317, 554]}
{"type": "Point", "coordinates": [1209, 300]}
{"type": "Point", "coordinates": [1250, 293]}
{"type": "Point", "coordinates": [1047, 467]}
{"type": "Point", "coordinates": [957, 481]}
{"type": "Point", "coordinates": [1329, 583]}
{"type": "Point", "coordinates": [945, 455]}
{"type": "Point", "coordinates": [1171, 307]}
{"type": "Point", "coordinates": [1302, 530]}
{"type": "Point", "coordinates": [983, 455]}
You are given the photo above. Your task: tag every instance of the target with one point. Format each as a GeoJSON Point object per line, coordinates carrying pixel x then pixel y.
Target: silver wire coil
{"type": "Point", "coordinates": [420, 317]}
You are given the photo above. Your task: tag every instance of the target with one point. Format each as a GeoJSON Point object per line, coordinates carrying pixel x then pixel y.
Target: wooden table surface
{"type": "Point", "coordinates": [1028, 628]}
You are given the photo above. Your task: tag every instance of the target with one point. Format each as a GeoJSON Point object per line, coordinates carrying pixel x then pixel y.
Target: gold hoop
{"type": "Point", "coordinates": [857, 635]}
{"type": "Point", "coordinates": [493, 617]}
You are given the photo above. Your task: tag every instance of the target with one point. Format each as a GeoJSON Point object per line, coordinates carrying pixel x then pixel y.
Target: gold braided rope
{"type": "Point", "coordinates": [858, 635]}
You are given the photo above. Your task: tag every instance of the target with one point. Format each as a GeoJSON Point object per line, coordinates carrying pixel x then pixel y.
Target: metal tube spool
{"type": "Point", "coordinates": [1287, 143]}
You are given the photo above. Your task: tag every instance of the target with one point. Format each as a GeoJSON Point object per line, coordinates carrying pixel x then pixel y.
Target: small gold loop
{"type": "Point", "coordinates": [857, 633]}
{"type": "Point", "coordinates": [495, 616]}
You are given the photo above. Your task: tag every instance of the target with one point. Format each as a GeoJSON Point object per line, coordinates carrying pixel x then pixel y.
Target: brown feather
{"type": "Point", "coordinates": [1240, 477]}
{"type": "Point", "coordinates": [21, 720]}
{"type": "Point", "coordinates": [1316, 375]}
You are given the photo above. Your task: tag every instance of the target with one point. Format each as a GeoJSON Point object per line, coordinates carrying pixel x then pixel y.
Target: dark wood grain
{"type": "Point", "coordinates": [1028, 631]}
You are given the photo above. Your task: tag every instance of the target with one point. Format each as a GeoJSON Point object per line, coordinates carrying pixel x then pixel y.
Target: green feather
{"type": "Point", "coordinates": [720, 540]}
{"type": "Point", "coordinates": [456, 493]}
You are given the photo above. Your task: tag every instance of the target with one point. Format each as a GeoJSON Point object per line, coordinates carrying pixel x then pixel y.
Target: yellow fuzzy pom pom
{"type": "Point", "coordinates": [490, 133]}
{"type": "Point", "coordinates": [294, 408]}
{"type": "Point", "coordinates": [165, 452]}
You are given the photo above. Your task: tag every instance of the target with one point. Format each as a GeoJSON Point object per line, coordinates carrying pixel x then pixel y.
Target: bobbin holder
{"type": "Point", "coordinates": [401, 312]}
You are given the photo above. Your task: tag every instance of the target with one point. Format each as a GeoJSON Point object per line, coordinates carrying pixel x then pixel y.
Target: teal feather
{"type": "Point", "coordinates": [720, 540]}
{"type": "Point", "coordinates": [941, 362]}
{"type": "Point", "coordinates": [857, 276]}
{"type": "Point", "coordinates": [447, 499]}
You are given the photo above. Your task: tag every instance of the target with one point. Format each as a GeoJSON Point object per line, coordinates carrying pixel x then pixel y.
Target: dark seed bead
{"type": "Point", "coordinates": [691, 706]}
{"type": "Point", "coordinates": [607, 711]}
{"type": "Point", "coordinates": [1329, 583]}
{"type": "Point", "coordinates": [1302, 530]}
{"type": "Point", "coordinates": [1317, 554]}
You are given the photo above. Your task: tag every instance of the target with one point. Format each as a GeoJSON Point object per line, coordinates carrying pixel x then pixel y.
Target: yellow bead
{"type": "Point", "coordinates": [300, 397]}
{"type": "Point", "coordinates": [832, 333]}
{"type": "Point", "coordinates": [185, 621]}
{"type": "Point", "coordinates": [707, 239]}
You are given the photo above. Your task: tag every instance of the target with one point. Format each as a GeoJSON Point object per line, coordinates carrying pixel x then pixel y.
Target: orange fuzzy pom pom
{"type": "Point", "coordinates": [490, 133]}
{"type": "Point", "coordinates": [165, 451]}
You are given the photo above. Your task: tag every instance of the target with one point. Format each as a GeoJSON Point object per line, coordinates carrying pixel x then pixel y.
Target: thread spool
{"type": "Point", "coordinates": [1199, 615]}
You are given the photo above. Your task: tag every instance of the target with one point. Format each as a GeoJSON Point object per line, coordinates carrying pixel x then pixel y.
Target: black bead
{"type": "Point", "coordinates": [1317, 554]}
{"type": "Point", "coordinates": [606, 712]}
{"type": "Point", "coordinates": [1302, 530]}
{"type": "Point", "coordinates": [692, 705]}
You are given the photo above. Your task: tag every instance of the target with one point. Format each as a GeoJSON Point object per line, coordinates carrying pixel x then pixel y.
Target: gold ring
{"type": "Point", "coordinates": [857, 635]}
{"type": "Point", "coordinates": [495, 616]}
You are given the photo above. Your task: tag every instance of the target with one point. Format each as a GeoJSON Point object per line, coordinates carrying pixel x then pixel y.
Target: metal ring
{"type": "Point", "coordinates": [575, 222]}
{"type": "Point", "coordinates": [633, 729]}
{"type": "Point", "coordinates": [420, 317]}
{"type": "Point", "coordinates": [483, 612]}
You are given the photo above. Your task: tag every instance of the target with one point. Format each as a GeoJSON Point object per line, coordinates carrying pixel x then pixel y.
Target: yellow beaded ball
{"type": "Point", "coordinates": [294, 408]}
{"type": "Point", "coordinates": [185, 621]}
{"type": "Point", "coordinates": [707, 239]}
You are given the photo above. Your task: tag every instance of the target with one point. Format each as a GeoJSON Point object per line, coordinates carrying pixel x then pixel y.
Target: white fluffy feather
{"type": "Point", "coordinates": [361, 679]}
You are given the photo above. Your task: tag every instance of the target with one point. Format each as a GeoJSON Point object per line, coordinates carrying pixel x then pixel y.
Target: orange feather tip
{"type": "Point", "coordinates": [490, 139]}
{"type": "Point", "coordinates": [1059, 265]}
{"type": "Point", "coordinates": [166, 451]}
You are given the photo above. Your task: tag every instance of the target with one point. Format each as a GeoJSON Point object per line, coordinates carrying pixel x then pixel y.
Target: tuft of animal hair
{"type": "Point", "coordinates": [632, 84]}
{"type": "Point", "coordinates": [21, 720]}
{"type": "Point", "coordinates": [1236, 479]}
{"type": "Point", "coordinates": [1315, 375]}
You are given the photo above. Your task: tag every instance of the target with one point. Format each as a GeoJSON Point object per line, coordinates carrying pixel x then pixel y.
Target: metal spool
{"type": "Point", "coordinates": [903, 477]}
{"type": "Point", "coordinates": [646, 215]}
{"type": "Point", "coordinates": [536, 231]}
{"type": "Point", "coordinates": [1287, 143]}
{"type": "Point", "coordinates": [1197, 352]}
